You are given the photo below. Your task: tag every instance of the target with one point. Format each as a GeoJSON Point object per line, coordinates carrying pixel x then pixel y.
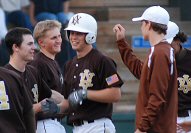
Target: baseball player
{"type": "Point", "coordinates": [16, 112]}
{"type": "Point", "coordinates": [156, 107]}
{"type": "Point", "coordinates": [47, 34]}
{"type": "Point", "coordinates": [183, 56]}
{"type": "Point", "coordinates": [91, 81]}
{"type": "Point", "coordinates": [20, 44]}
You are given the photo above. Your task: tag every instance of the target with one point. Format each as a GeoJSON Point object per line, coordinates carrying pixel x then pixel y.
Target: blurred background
{"type": "Point", "coordinates": [108, 13]}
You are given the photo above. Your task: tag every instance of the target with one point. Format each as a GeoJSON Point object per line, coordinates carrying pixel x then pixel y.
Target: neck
{"type": "Point", "coordinates": [84, 52]}
{"type": "Point", "coordinates": [49, 55]}
{"type": "Point", "coordinates": [156, 38]}
{"type": "Point", "coordinates": [17, 63]}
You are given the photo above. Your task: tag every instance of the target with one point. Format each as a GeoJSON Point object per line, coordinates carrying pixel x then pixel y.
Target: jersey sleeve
{"type": "Point", "coordinates": [129, 59]}
{"type": "Point", "coordinates": [107, 72]}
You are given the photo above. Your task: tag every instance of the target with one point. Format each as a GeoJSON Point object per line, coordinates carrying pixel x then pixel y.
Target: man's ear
{"type": "Point", "coordinates": [41, 43]}
{"type": "Point", "coordinates": [15, 48]}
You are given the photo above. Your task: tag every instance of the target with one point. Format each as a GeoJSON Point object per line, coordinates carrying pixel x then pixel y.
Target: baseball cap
{"type": "Point", "coordinates": [155, 14]}
{"type": "Point", "coordinates": [172, 30]}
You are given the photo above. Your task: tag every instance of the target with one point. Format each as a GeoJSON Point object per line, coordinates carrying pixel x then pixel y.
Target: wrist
{"type": "Point", "coordinates": [84, 93]}
{"type": "Point", "coordinates": [58, 109]}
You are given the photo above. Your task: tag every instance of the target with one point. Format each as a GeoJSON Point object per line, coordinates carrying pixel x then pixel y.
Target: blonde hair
{"type": "Point", "coordinates": [43, 26]}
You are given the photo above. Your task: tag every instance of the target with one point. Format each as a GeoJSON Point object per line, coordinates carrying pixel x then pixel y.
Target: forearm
{"type": "Point", "coordinates": [37, 108]}
{"type": "Point", "coordinates": [64, 105]}
{"type": "Point", "coordinates": [129, 59]}
{"type": "Point", "coordinates": [108, 95]}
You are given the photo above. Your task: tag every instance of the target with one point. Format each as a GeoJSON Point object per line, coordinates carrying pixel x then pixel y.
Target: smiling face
{"type": "Point", "coordinates": [51, 42]}
{"type": "Point", "coordinates": [77, 40]}
{"type": "Point", "coordinates": [27, 48]}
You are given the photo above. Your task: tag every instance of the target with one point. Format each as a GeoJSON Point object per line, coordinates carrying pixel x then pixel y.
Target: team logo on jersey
{"type": "Point", "coordinates": [184, 83]}
{"type": "Point", "coordinates": [86, 79]}
{"type": "Point", "coordinates": [4, 99]}
{"type": "Point", "coordinates": [35, 93]}
{"type": "Point", "coordinates": [76, 19]}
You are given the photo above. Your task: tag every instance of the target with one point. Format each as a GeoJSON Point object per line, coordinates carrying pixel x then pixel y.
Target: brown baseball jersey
{"type": "Point", "coordinates": [49, 71]}
{"type": "Point", "coordinates": [156, 108]}
{"type": "Point", "coordinates": [37, 88]}
{"type": "Point", "coordinates": [14, 102]}
{"type": "Point", "coordinates": [93, 72]}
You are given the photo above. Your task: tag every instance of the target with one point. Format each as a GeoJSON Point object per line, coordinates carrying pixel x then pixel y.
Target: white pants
{"type": "Point", "coordinates": [103, 125]}
{"type": "Point", "coordinates": [49, 126]}
{"type": "Point", "coordinates": [183, 119]}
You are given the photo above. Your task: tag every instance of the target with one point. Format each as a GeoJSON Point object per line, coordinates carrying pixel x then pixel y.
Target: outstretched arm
{"type": "Point", "coordinates": [129, 59]}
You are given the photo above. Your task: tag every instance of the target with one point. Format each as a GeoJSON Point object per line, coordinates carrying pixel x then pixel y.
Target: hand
{"type": "Point", "coordinates": [75, 98]}
{"type": "Point", "coordinates": [119, 32]}
{"type": "Point", "coordinates": [138, 131]}
{"type": "Point", "coordinates": [49, 107]}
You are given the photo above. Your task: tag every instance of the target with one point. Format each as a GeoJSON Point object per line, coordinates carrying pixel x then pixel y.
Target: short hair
{"type": "Point", "coordinates": [159, 28]}
{"type": "Point", "coordinates": [15, 36]}
{"type": "Point", "coordinates": [181, 36]}
{"type": "Point", "coordinates": [43, 26]}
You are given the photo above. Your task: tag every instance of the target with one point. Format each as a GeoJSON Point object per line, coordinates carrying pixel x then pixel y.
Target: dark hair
{"type": "Point", "coordinates": [15, 36]}
{"type": "Point", "coordinates": [159, 28]}
{"type": "Point", "coordinates": [181, 36]}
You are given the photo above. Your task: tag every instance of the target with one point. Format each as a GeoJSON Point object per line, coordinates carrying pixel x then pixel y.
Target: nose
{"type": "Point", "coordinates": [59, 39]}
{"type": "Point", "coordinates": [34, 46]}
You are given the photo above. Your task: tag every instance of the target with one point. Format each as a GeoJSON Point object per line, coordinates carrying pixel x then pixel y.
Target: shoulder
{"type": "Point", "coordinates": [162, 49]}
{"type": "Point", "coordinates": [97, 55]}
{"type": "Point", "coordinates": [9, 75]}
{"type": "Point", "coordinates": [105, 58]}
{"type": "Point", "coordinates": [31, 68]}
{"type": "Point", "coordinates": [7, 71]}
{"type": "Point", "coordinates": [39, 60]}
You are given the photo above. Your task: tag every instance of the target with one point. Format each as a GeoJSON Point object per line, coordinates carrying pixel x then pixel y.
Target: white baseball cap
{"type": "Point", "coordinates": [155, 14]}
{"type": "Point", "coordinates": [172, 30]}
